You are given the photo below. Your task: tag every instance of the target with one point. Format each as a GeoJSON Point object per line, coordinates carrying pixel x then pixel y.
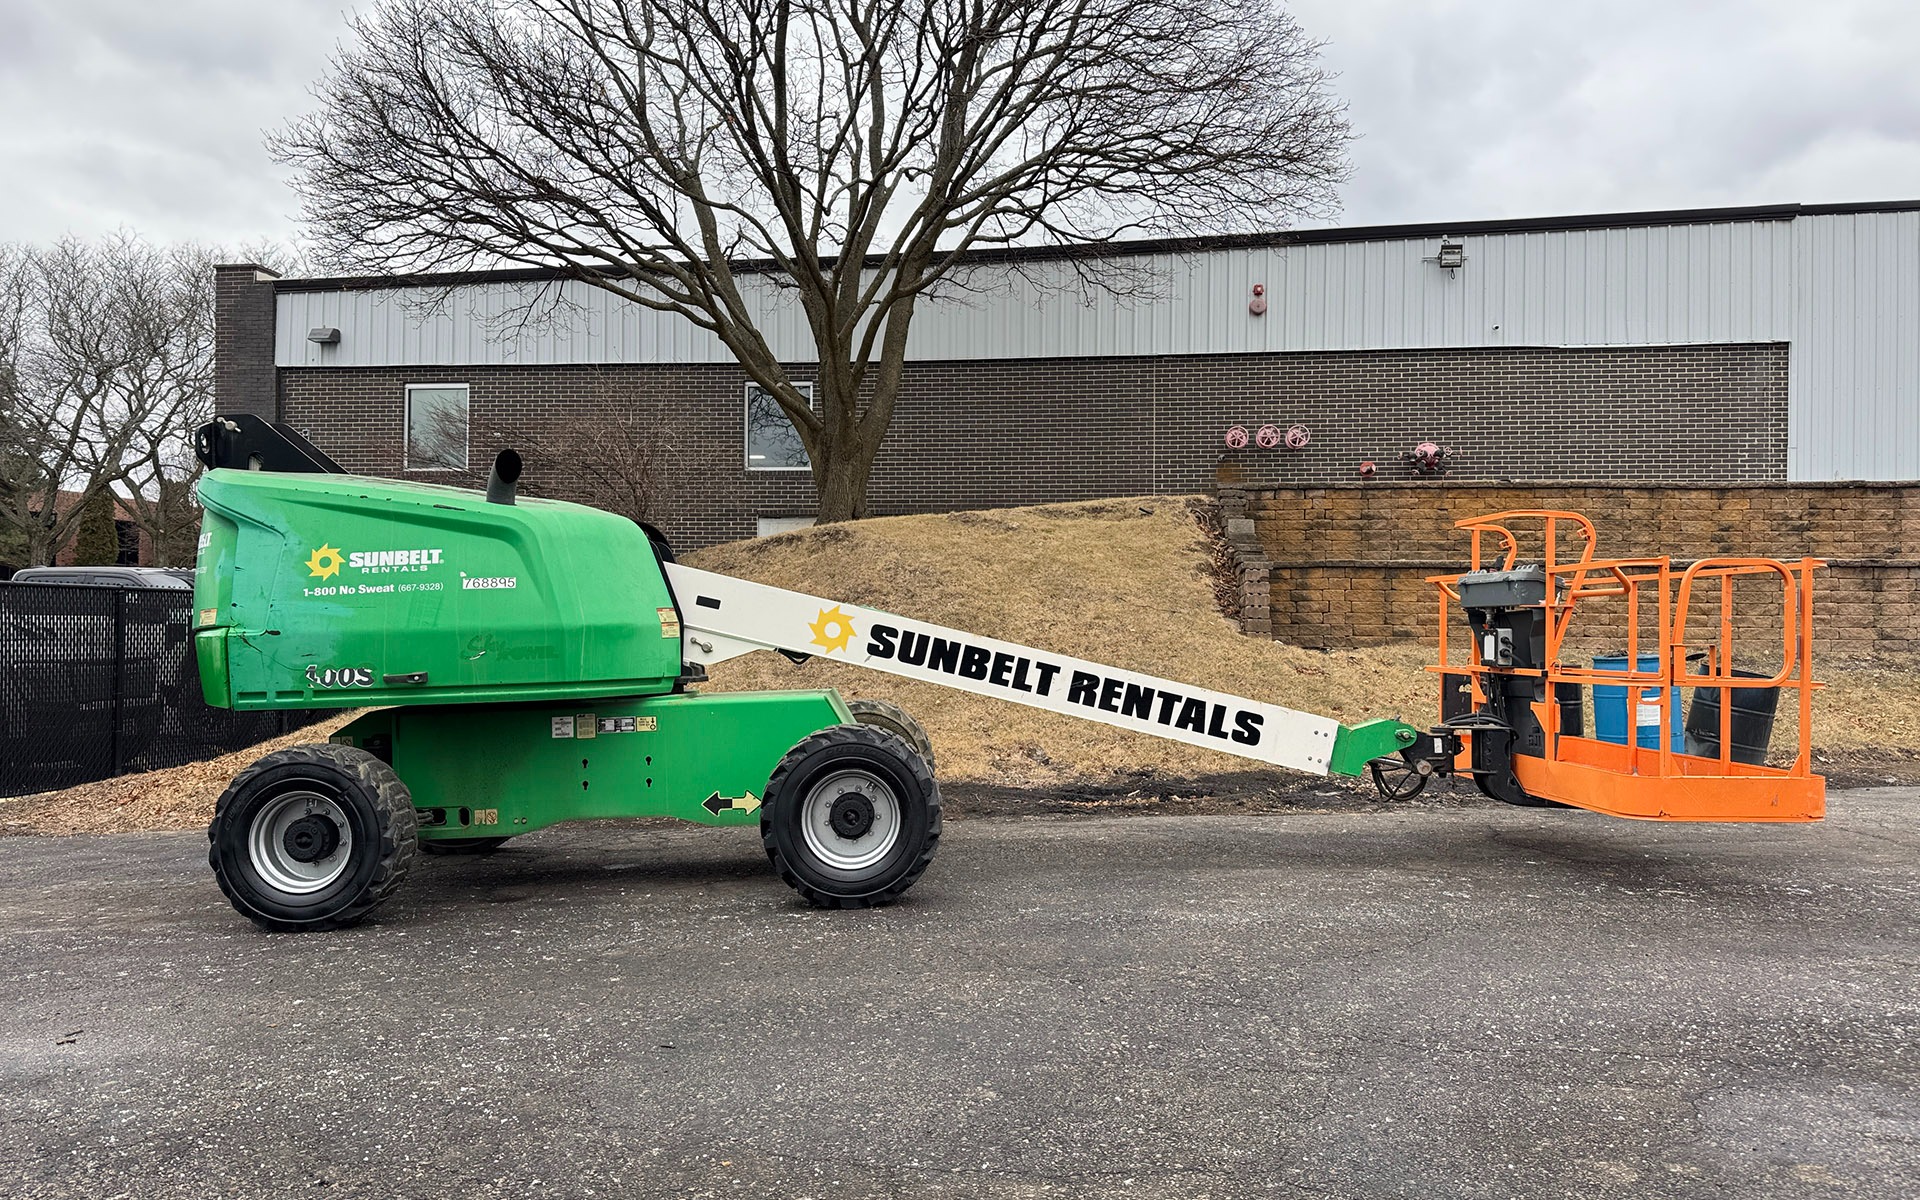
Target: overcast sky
{"type": "Point", "coordinates": [148, 114]}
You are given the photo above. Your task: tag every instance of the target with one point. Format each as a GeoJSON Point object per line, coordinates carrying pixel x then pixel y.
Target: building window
{"type": "Point", "coordinates": [773, 444]}
{"type": "Point", "coordinates": [436, 427]}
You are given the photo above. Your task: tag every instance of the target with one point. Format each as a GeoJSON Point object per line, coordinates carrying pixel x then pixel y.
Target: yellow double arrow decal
{"type": "Point", "coordinates": [717, 804]}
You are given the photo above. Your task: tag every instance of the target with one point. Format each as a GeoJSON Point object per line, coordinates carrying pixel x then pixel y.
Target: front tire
{"type": "Point", "coordinates": [851, 817]}
{"type": "Point", "coordinates": [312, 837]}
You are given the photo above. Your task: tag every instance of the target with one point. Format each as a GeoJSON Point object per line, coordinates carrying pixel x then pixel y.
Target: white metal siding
{"type": "Point", "coordinates": [1843, 289]}
{"type": "Point", "coordinates": [1856, 354]}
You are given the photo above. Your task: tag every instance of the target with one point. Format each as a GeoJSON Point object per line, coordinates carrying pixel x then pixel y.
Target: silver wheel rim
{"type": "Point", "coordinates": [831, 847]}
{"type": "Point", "coordinates": [275, 863]}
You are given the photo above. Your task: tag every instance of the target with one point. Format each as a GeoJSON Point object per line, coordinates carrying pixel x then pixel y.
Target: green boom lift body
{"type": "Point", "coordinates": [526, 662]}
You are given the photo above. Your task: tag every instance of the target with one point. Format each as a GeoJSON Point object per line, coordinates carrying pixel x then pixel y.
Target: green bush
{"type": "Point", "coordinates": [97, 541]}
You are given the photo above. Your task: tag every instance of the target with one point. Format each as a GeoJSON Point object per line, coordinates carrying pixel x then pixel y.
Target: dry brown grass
{"type": "Point", "coordinates": [1125, 582]}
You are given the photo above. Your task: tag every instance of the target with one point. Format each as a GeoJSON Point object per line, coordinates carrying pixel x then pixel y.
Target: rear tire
{"type": "Point", "coordinates": [461, 847]}
{"type": "Point", "coordinates": [851, 817]}
{"type": "Point", "coordinates": [884, 714]}
{"type": "Point", "coordinates": [312, 837]}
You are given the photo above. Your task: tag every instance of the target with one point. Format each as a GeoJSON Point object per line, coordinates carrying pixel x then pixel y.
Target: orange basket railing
{"type": "Point", "coordinates": [1658, 603]}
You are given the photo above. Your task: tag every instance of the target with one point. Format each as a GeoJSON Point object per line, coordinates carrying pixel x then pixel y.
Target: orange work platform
{"type": "Point", "coordinates": [1647, 606]}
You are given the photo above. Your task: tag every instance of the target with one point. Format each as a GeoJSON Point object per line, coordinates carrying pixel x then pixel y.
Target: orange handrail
{"type": "Point", "coordinates": [1494, 523]}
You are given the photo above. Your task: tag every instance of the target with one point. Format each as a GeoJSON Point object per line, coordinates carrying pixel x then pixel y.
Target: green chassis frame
{"type": "Point", "coordinates": [496, 770]}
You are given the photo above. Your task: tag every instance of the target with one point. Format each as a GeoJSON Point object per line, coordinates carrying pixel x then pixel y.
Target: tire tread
{"type": "Point", "coordinates": [843, 735]}
{"type": "Point", "coordinates": [393, 810]}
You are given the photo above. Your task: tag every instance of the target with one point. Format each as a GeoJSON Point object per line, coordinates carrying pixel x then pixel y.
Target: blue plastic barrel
{"type": "Point", "coordinates": [1610, 707]}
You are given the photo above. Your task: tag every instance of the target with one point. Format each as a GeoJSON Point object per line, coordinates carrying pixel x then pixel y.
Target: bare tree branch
{"type": "Point", "coordinates": [106, 365]}
{"type": "Point", "coordinates": [861, 150]}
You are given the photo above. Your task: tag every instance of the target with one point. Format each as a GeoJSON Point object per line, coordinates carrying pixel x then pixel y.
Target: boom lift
{"type": "Point", "coordinates": [527, 662]}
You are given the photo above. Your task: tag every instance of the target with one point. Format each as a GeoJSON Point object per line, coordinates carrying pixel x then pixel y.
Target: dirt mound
{"type": "Point", "coordinates": [1127, 582]}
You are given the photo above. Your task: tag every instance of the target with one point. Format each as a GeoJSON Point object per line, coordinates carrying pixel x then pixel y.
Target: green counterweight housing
{"type": "Point", "coordinates": [336, 590]}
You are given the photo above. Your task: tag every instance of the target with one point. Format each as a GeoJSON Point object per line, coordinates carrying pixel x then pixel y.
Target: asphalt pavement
{"type": "Point", "coordinates": [1430, 1002]}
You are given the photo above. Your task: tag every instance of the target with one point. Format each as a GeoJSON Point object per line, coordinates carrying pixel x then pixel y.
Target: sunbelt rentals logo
{"type": "Point", "coordinates": [327, 561]}
{"type": "Point", "coordinates": [324, 563]}
{"type": "Point", "coordinates": [336, 572]}
{"type": "Point", "coordinates": [832, 629]}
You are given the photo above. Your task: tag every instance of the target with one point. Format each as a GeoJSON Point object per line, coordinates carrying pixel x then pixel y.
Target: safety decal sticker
{"type": "Point", "coordinates": [669, 622]}
{"type": "Point", "coordinates": [628, 724]}
{"type": "Point", "coordinates": [563, 727]}
{"type": "Point", "coordinates": [717, 804]}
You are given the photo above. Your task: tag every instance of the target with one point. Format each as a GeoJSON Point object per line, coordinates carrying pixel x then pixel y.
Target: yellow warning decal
{"type": "Point", "coordinates": [669, 623]}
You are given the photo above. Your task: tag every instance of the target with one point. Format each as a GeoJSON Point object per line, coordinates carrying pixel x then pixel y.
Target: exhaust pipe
{"type": "Point", "coordinates": [505, 473]}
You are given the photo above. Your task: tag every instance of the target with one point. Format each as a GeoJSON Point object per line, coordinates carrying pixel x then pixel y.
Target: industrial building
{"type": "Point", "coordinates": [1697, 347]}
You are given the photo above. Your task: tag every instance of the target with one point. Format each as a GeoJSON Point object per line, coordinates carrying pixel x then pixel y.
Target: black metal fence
{"type": "Point", "coordinates": [99, 681]}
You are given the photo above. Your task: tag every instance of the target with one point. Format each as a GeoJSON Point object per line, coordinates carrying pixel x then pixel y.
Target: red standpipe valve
{"type": "Point", "coordinates": [1427, 458]}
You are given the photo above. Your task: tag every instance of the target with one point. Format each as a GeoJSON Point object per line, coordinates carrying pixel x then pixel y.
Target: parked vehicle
{"type": "Point", "coordinates": [120, 577]}
{"type": "Point", "coordinates": [90, 635]}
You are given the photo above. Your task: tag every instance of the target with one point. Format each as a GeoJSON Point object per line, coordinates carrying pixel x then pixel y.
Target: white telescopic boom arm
{"type": "Point", "coordinates": [724, 617]}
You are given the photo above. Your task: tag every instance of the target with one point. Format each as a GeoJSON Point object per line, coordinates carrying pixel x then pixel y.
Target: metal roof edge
{"type": "Point", "coordinates": [1195, 245]}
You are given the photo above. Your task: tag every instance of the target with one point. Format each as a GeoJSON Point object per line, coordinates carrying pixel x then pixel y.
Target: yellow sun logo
{"type": "Point", "coordinates": [325, 563]}
{"type": "Point", "coordinates": [832, 630]}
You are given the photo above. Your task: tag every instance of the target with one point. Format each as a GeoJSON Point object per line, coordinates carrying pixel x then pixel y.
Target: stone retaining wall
{"type": "Point", "coordinates": [1346, 565]}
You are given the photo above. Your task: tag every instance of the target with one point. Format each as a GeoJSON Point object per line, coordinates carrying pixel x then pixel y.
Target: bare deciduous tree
{"type": "Point", "coordinates": [854, 151]}
{"type": "Point", "coordinates": [609, 450]}
{"type": "Point", "coordinates": [169, 396]}
{"type": "Point", "coordinates": [108, 366]}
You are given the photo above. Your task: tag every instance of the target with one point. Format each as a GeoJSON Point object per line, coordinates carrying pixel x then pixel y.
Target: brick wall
{"type": "Point", "coordinates": [243, 374]}
{"type": "Point", "coordinates": [1346, 565]}
{"type": "Point", "coordinates": [1024, 431]}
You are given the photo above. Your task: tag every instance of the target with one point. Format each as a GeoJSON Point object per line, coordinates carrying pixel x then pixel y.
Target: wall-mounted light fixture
{"type": "Point", "coordinates": [1451, 256]}
{"type": "Point", "coordinates": [324, 335]}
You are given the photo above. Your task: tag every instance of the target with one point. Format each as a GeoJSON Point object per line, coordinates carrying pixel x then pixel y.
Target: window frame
{"type": "Point", "coordinates": [406, 429]}
{"type": "Point", "coordinates": [746, 427]}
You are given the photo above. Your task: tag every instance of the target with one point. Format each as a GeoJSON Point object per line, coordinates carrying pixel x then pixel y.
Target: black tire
{"type": "Point", "coordinates": [822, 785]}
{"type": "Point", "coordinates": [885, 714]}
{"type": "Point", "coordinates": [453, 847]}
{"type": "Point", "coordinates": [345, 794]}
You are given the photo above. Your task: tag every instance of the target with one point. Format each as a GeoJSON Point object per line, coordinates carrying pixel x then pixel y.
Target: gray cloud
{"type": "Point", "coordinates": [1494, 108]}
{"type": "Point", "coordinates": [149, 115]}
